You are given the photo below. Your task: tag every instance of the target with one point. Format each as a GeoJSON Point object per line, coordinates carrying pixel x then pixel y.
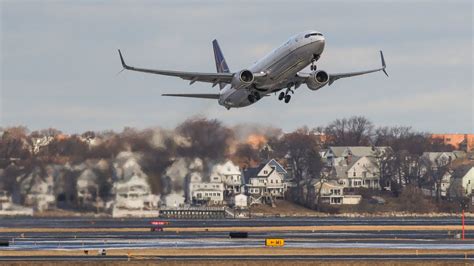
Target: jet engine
{"type": "Point", "coordinates": [242, 79]}
{"type": "Point", "coordinates": [317, 80]}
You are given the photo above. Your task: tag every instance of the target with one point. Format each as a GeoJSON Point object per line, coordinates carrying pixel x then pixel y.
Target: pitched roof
{"type": "Point", "coordinates": [253, 172]}
{"type": "Point", "coordinates": [360, 151]}
{"type": "Point", "coordinates": [462, 170]}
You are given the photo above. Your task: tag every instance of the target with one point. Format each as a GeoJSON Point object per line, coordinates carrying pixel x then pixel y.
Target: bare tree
{"type": "Point", "coordinates": [208, 138]}
{"type": "Point", "coordinates": [300, 150]}
{"type": "Point", "coordinates": [354, 131]}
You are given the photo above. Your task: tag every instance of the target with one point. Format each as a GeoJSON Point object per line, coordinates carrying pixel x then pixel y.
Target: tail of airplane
{"type": "Point", "coordinates": [221, 64]}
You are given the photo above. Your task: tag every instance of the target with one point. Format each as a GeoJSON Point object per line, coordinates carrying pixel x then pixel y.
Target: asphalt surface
{"type": "Point", "coordinates": [305, 239]}
{"type": "Point", "coordinates": [316, 235]}
{"type": "Point", "coordinates": [424, 257]}
{"type": "Point", "coordinates": [97, 240]}
{"type": "Point", "coordinates": [83, 222]}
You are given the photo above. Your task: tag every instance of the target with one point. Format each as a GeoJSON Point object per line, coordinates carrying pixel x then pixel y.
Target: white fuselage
{"type": "Point", "coordinates": [279, 67]}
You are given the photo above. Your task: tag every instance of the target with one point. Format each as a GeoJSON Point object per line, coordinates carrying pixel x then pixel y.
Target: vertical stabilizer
{"type": "Point", "coordinates": [221, 64]}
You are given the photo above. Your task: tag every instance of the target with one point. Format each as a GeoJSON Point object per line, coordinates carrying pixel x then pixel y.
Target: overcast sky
{"type": "Point", "coordinates": [59, 62]}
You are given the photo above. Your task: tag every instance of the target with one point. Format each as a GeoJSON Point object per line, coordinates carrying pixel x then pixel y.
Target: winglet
{"type": "Point", "coordinates": [383, 63]}
{"type": "Point", "coordinates": [123, 62]}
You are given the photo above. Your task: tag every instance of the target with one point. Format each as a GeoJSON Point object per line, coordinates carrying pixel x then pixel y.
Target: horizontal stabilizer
{"type": "Point", "coordinates": [194, 95]}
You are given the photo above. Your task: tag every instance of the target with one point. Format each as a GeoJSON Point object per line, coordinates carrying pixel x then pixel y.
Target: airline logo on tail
{"type": "Point", "coordinates": [221, 65]}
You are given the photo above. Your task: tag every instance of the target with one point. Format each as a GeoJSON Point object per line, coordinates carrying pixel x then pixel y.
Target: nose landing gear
{"type": "Point", "coordinates": [315, 58]}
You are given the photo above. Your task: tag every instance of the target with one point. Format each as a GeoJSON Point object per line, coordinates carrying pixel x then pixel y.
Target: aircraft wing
{"type": "Point", "coordinates": [214, 78]}
{"type": "Point", "coordinates": [335, 76]}
{"type": "Point", "coordinates": [195, 95]}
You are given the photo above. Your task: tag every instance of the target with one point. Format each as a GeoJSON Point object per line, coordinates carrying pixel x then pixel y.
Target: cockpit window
{"type": "Point", "coordinates": [312, 34]}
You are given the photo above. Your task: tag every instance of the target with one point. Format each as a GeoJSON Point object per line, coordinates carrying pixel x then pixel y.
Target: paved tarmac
{"type": "Point", "coordinates": [390, 257]}
{"type": "Point", "coordinates": [308, 239]}
{"type": "Point", "coordinates": [97, 240]}
{"type": "Point", "coordinates": [84, 222]}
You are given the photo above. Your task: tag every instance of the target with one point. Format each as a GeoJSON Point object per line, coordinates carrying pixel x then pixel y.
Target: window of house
{"type": "Point", "coordinates": [271, 181]}
{"type": "Point", "coordinates": [265, 172]}
{"type": "Point", "coordinates": [354, 173]}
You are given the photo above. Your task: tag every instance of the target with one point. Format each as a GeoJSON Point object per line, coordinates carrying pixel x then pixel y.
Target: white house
{"type": "Point", "coordinates": [207, 192]}
{"type": "Point", "coordinates": [133, 197]}
{"type": "Point", "coordinates": [87, 188]}
{"type": "Point", "coordinates": [336, 154]}
{"type": "Point", "coordinates": [265, 182]}
{"type": "Point", "coordinates": [437, 159]}
{"type": "Point", "coordinates": [357, 172]}
{"type": "Point", "coordinates": [462, 184]}
{"type": "Point", "coordinates": [230, 175]}
{"type": "Point", "coordinates": [38, 191]}
{"type": "Point", "coordinates": [8, 208]}
{"type": "Point", "coordinates": [330, 192]}
{"type": "Point", "coordinates": [240, 201]}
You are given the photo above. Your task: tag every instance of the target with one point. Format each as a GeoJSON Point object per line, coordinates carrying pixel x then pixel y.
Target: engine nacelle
{"type": "Point", "coordinates": [242, 79]}
{"type": "Point", "coordinates": [317, 80]}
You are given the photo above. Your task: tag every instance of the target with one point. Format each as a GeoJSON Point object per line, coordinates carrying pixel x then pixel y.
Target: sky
{"type": "Point", "coordinates": [59, 62]}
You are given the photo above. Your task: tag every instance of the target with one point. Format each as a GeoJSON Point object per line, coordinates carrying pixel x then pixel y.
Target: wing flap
{"type": "Point", "coordinates": [301, 77]}
{"type": "Point", "coordinates": [192, 76]}
{"type": "Point", "coordinates": [336, 76]}
{"type": "Point", "coordinates": [194, 95]}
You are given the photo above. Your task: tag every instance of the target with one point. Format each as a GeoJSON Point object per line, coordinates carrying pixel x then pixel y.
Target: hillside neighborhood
{"type": "Point", "coordinates": [159, 170]}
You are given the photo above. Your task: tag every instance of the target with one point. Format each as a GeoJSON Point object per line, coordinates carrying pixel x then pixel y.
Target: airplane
{"type": "Point", "coordinates": [275, 72]}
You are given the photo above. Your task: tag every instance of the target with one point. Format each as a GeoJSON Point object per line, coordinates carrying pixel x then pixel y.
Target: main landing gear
{"type": "Point", "coordinates": [285, 95]}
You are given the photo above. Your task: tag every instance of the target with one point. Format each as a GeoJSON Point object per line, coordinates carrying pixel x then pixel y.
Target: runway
{"type": "Point", "coordinates": [83, 222]}
{"type": "Point", "coordinates": [124, 239]}
{"type": "Point", "coordinates": [351, 258]}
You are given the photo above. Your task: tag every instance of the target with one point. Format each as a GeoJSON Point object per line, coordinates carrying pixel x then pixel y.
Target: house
{"type": "Point", "coordinates": [133, 198]}
{"type": "Point", "coordinates": [444, 185]}
{"type": "Point", "coordinates": [265, 182]}
{"type": "Point", "coordinates": [211, 193]}
{"type": "Point", "coordinates": [355, 172]}
{"type": "Point", "coordinates": [37, 191]}
{"type": "Point", "coordinates": [8, 208]}
{"type": "Point", "coordinates": [87, 189]}
{"type": "Point", "coordinates": [462, 184]}
{"type": "Point", "coordinates": [438, 159]}
{"type": "Point", "coordinates": [230, 175]}
{"type": "Point", "coordinates": [336, 154]}
{"type": "Point", "coordinates": [240, 201]}
{"type": "Point", "coordinates": [330, 192]}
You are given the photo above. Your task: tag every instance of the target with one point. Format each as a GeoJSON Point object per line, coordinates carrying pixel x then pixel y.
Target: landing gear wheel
{"type": "Point", "coordinates": [287, 98]}
{"type": "Point", "coordinates": [251, 98]}
{"type": "Point", "coordinates": [281, 96]}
